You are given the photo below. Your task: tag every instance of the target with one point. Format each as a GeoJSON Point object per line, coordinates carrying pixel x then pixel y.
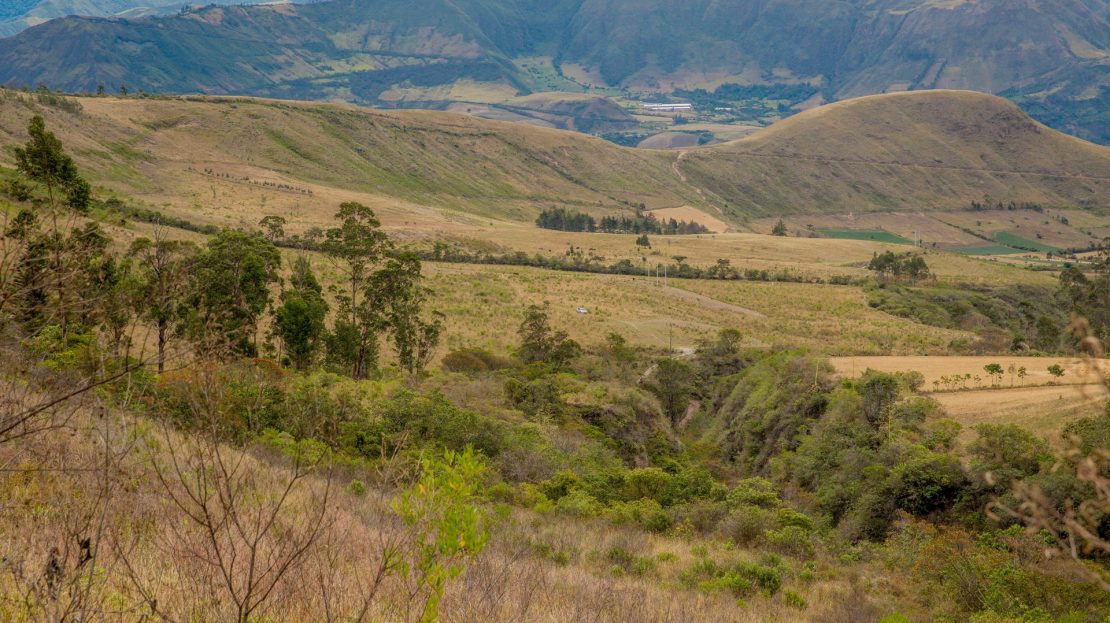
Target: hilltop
{"type": "Point", "coordinates": [217, 159]}
{"type": "Point", "coordinates": [907, 151]}
{"type": "Point", "coordinates": [432, 52]}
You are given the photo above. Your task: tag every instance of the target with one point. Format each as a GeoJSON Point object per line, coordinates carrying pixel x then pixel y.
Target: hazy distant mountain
{"type": "Point", "coordinates": [1052, 56]}
{"type": "Point", "coordinates": [17, 15]}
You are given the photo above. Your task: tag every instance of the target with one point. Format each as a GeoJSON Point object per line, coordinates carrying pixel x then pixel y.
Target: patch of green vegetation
{"type": "Point", "coordinates": [987, 250]}
{"type": "Point", "coordinates": [876, 235]}
{"type": "Point", "coordinates": [1013, 240]}
{"type": "Point", "coordinates": [1005, 318]}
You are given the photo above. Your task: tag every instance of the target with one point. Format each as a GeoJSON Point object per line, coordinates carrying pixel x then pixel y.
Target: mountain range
{"type": "Point", "coordinates": [1050, 56]}
{"type": "Point", "coordinates": [18, 15]}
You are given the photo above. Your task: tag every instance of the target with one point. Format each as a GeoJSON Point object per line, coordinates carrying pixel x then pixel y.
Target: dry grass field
{"type": "Point", "coordinates": [1044, 410]}
{"type": "Point", "coordinates": [1076, 371]}
{"type": "Point", "coordinates": [812, 257]}
{"type": "Point", "coordinates": [1060, 228]}
{"type": "Point", "coordinates": [1040, 402]}
{"type": "Point", "coordinates": [484, 305]}
{"type": "Point", "coordinates": [693, 215]}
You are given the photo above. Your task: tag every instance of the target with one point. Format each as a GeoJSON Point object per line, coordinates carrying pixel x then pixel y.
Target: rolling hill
{"type": "Point", "coordinates": [905, 151]}
{"type": "Point", "coordinates": [1052, 56]}
{"type": "Point", "coordinates": [224, 160]}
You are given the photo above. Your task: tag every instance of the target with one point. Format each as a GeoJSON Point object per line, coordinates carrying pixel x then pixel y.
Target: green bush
{"type": "Point", "coordinates": [741, 580]}
{"type": "Point", "coordinates": [431, 420]}
{"type": "Point", "coordinates": [793, 600]}
{"type": "Point", "coordinates": [578, 503]}
{"type": "Point", "coordinates": [648, 482]}
{"type": "Point", "coordinates": [537, 398]}
{"type": "Point", "coordinates": [791, 541]}
{"type": "Point", "coordinates": [754, 492]}
{"type": "Point", "coordinates": [645, 513]}
{"type": "Point", "coordinates": [927, 483]}
{"type": "Point", "coordinates": [474, 361]}
{"type": "Point", "coordinates": [747, 525]}
{"type": "Point", "coordinates": [704, 515]}
{"type": "Point", "coordinates": [624, 561]}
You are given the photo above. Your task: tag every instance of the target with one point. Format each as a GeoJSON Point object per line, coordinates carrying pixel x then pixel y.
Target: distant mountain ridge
{"type": "Point", "coordinates": [18, 15]}
{"type": "Point", "coordinates": [1051, 56]}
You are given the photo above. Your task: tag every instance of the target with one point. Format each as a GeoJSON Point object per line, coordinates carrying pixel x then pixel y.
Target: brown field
{"type": "Point", "coordinates": [1043, 410]}
{"type": "Point", "coordinates": [1076, 371]}
{"type": "Point", "coordinates": [927, 227]}
{"type": "Point", "coordinates": [692, 215]}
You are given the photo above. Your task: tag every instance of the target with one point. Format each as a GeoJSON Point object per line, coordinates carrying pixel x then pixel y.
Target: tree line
{"type": "Point", "coordinates": [575, 262]}
{"type": "Point", "coordinates": [58, 269]}
{"type": "Point", "coordinates": [561, 219]}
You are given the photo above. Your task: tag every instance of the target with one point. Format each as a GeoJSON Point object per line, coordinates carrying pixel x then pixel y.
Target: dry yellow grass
{"type": "Point", "coordinates": [901, 151]}
{"type": "Point", "coordinates": [484, 305]}
{"type": "Point", "coordinates": [1043, 410]}
{"type": "Point", "coordinates": [1040, 402]}
{"type": "Point", "coordinates": [428, 168]}
{"type": "Point", "coordinates": [146, 549]}
{"type": "Point", "coordinates": [691, 215]}
{"type": "Point", "coordinates": [1076, 371]}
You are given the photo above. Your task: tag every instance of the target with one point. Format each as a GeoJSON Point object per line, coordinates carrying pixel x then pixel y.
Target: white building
{"type": "Point", "coordinates": [659, 107]}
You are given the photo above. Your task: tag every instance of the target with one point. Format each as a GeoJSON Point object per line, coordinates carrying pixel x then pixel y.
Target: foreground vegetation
{"type": "Point", "coordinates": [213, 432]}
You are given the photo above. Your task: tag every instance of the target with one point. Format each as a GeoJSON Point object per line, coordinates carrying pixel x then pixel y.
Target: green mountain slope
{"type": "Point", "coordinates": [18, 15]}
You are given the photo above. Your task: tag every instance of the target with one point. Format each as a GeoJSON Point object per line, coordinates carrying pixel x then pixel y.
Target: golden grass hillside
{"type": "Point", "coordinates": [909, 151]}
{"type": "Point", "coordinates": [227, 160]}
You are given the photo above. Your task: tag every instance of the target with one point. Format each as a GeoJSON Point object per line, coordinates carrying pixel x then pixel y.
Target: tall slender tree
{"type": "Point", "coordinates": [163, 268]}
{"type": "Point", "coordinates": [299, 321]}
{"type": "Point", "coordinates": [396, 290]}
{"type": "Point", "coordinates": [43, 160]}
{"type": "Point", "coordinates": [356, 246]}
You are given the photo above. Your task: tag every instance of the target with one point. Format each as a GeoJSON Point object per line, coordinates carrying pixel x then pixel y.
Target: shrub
{"type": "Point", "coordinates": [754, 492]}
{"type": "Point", "coordinates": [702, 515]}
{"type": "Point", "coordinates": [474, 361]}
{"type": "Point", "coordinates": [793, 600]}
{"type": "Point", "coordinates": [741, 580]}
{"type": "Point", "coordinates": [790, 517]}
{"type": "Point", "coordinates": [927, 483]}
{"type": "Point", "coordinates": [1007, 452]}
{"type": "Point", "coordinates": [578, 503]}
{"type": "Point", "coordinates": [433, 420]}
{"type": "Point", "coordinates": [747, 525]}
{"type": "Point", "coordinates": [625, 561]}
{"type": "Point", "coordinates": [536, 398]}
{"type": "Point", "coordinates": [645, 513]}
{"type": "Point", "coordinates": [791, 541]}
{"type": "Point", "coordinates": [648, 482]}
